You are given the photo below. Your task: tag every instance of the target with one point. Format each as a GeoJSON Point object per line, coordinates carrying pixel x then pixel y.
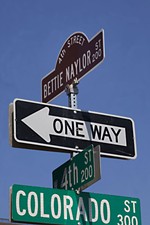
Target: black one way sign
{"type": "Point", "coordinates": [55, 128]}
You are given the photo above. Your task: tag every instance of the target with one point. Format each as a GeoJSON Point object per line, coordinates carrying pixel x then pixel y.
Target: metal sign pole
{"type": "Point", "coordinates": [72, 91]}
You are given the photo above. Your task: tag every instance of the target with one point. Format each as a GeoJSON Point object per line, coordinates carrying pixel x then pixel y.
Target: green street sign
{"type": "Point", "coordinates": [79, 172]}
{"type": "Point", "coordinates": [57, 206]}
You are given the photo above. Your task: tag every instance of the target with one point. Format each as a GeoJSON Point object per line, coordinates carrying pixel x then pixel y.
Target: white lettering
{"type": "Point", "coordinates": [88, 57]}
{"type": "Point", "coordinates": [133, 205]}
{"type": "Point", "coordinates": [105, 205]}
{"type": "Point", "coordinates": [76, 63]}
{"type": "Point", "coordinates": [87, 156]}
{"type": "Point", "coordinates": [32, 195]}
{"type": "Point", "coordinates": [128, 208]}
{"type": "Point", "coordinates": [78, 66]}
{"type": "Point", "coordinates": [52, 207]}
{"type": "Point", "coordinates": [53, 85]}
{"type": "Point", "coordinates": [75, 173]}
{"type": "Point", "coordinates": [81, 210]}
{"type": "Point", "coordinates": [45, 90]}
{"type": "Point", "coordinates": [91, 218]}
{"type": "Point", "coordinates": [42, 206]}
{"type": "Point", "coordinates": [76, 39]}
{"type": "Point", "coordinates": [23, 212]}
{"type": "Point", "coordinates": [68, 207]}
{"type": "Point", "coordinates": [56, 215]}
{"type": "Point", "coordinates": [69, 174]}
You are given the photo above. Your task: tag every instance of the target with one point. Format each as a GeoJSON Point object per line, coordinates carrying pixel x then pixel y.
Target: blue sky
{"type": "Point", "coordinates": [32, 34]}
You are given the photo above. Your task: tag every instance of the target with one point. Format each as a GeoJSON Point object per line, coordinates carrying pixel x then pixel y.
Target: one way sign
{"type": "Point", "coordinates": [55, 128]}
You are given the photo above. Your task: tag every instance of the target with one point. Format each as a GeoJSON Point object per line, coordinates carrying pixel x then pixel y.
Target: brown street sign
{"type": "Point", "coordinates": [77, 57]}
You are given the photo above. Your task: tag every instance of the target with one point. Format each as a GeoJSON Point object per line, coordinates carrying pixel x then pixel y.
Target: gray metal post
{"type": "Point", "coordinates": [72, 91]}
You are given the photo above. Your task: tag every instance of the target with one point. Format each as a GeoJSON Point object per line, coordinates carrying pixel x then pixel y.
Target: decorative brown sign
{"type": "Point", "coordinates": [77, 57]}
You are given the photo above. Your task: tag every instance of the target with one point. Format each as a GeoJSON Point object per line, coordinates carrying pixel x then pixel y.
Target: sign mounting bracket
{"type": "Point", "coordinates": [72, 91]}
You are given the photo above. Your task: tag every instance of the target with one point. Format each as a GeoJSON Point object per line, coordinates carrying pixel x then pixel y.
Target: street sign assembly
{"type": "Point", "coordinates": [77, 57]}
{"type": "Point", "coordinates": [57, 206]}
{"type": "Point", "coordinates": [54, 128]}
{"type": "Point", "coordinates": [80, 171]}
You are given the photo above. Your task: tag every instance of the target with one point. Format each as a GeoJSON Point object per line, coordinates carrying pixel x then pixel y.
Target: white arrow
{"type": "Point", "coordinates": [40, 123]}
{"type": "Point", "coordinates": [45, 125]}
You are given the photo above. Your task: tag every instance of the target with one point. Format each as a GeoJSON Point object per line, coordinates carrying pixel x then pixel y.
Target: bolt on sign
{"type": "Point", "coordinates": [80, 171]}
{"type": "Point", "coordinates": [58, 206]}
{"type": "Point", "coordinates": [77, 57]}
